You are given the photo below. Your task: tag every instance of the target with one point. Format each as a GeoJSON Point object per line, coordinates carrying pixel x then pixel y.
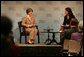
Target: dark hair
{"type": "Point", "coordinates": [69, 10]}
{"type": "Point", "coordinates": [6, 25]}
{"type": "Point", "coordinates": [29, 10]}
{"type": "Point", "coordinates": [74, 22]}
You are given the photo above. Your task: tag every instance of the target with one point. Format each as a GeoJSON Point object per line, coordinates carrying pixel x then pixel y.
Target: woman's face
{"type": "Point", "coordinates": [66, 12]}
{"type": "Point", "coordinates": [30, 13]}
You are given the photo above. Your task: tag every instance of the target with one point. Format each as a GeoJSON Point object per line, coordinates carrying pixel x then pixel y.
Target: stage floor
{"type": "Point", "coordinates": [36, 44]}
{"type": "Point", "coordinates": [40, 49]}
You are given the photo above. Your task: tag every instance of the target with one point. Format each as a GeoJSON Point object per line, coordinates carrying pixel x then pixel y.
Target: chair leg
{"type": "Point", "coordinates": [38, 37]}
{"type": "Point", "coordinates": [25, 38]}
{"type": "Point", "coordinates": [20, 38]}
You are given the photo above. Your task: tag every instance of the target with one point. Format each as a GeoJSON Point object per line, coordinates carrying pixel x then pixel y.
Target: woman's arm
{"type": "Point", "coordinates": [34, 23]}
{"type": "Point", "coordinates": [64, 22]}
{"type": "Point", "coordinates": [24, 22]}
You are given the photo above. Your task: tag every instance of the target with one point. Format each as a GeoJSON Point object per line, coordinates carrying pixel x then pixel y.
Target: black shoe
{"type": "Point", "coordinates": [32, 43]}
{"type": "Point", "coordinates": [58, 43]}
{"type": "Point", "coordinates": [28, 43]}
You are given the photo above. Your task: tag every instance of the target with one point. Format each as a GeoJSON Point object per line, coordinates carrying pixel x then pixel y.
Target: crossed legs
{"type": "Point", "coordinates": [32, 35]}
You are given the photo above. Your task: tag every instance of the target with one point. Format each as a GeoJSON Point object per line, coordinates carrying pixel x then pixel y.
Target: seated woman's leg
{"type": "Point", "coordinates": [32, 35]}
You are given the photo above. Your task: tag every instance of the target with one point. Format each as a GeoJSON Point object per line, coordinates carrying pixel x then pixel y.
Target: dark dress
{"type": "Point", "coordinates": [68, 32]}
{"type": "Point", "coordinates": [67, 21]}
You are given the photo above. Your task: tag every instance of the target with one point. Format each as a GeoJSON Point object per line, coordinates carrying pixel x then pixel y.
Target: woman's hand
{"type": "Point", "coordinates": [62, 25]}
{"type": "Point", "coordinates": [29, 26]}
{"type": "Point", "coordinates": [32, 25]}
{"type": "Point", "coordinates": [67, 25]}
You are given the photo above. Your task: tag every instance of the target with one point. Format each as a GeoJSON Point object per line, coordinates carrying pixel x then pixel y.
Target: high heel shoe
{"type": "Point", "coordinates": [29, 43]}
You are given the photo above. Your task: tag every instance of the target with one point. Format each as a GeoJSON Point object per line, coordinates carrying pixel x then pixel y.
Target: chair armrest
{"type": "Point", "coordinates": [36, 26]}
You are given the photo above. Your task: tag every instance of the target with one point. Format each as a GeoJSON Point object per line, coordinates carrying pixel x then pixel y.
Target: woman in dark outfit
{"type": "Point", "coordinates": [69, 15]}
{"type": "Point", "coordinates": [74, 28]}
{"type": "Point", "coordinates": [67, 19]}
